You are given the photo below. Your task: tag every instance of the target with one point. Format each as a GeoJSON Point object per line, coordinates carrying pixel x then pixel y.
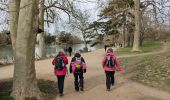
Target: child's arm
{"type": "Point", "coordinates": [72, 60]}
{"type": "Point", "coordinates": [103, 61]}
{"type": "Point", "coordinates": [84, 64]}
{"type": "Point", "coordinates": [66, 70]}
{"type": "Point", "coordinates": [53, 62]}
{"type": "Point", "coordinates": [117, 64]}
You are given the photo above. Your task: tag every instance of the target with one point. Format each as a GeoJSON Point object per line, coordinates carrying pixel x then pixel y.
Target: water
{"type": "Point", "coordinates": [7, 50]}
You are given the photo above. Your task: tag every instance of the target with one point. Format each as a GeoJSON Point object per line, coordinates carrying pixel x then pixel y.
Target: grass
{"type": "Point", "coordinates": [153, 70]}
{"type": "Point", "coordinates": [47, 87]}
{"type": "Point", "coordinates": [148, 46]}
{"type": "Point", "coordinates": [168, 42]}
{"type": "Point", "coordinates": [5, 90]}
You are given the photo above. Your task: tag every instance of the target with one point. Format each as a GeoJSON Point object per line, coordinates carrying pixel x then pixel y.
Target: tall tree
{"type": "Point", "coordinates": [41, 26]}
{"type": "Point", "coordinates": [24, 79]}
{"type": "Point", "coordinates": [80, 22]}
{"type": "Point", "coordinates": [119, 14]}
{"type": "Point", "coordinates": [13, 22]}
{"type": "Point", "coordinates": [136, 41]}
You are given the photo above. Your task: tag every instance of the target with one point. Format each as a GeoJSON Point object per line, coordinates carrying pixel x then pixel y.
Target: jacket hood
{"type": "Point", "coordinates": [109, 54]}
{"type": "Point", "coordinates": [77, 55]}
{"type": "Point", "coordinates": [61, 54]}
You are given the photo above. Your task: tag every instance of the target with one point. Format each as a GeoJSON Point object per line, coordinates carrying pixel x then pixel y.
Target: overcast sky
{"type": "Point", "coordinates": [91, 7]}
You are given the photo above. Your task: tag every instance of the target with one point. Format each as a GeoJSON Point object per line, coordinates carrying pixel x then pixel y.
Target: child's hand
{"type": "Point", "coordinates": [84, 70]}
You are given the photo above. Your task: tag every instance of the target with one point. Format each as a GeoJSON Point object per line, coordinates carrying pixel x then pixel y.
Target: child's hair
{"type": "Point", "coordinates": [110, 50]}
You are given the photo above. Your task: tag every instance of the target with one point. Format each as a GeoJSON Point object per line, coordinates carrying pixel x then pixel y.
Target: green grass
{"type": "Point", "coordinates": [148, 46]}
{"type": "Point", "coordinates": [47, 87]}
{"type": "Point", "coordinates": [153, 70]}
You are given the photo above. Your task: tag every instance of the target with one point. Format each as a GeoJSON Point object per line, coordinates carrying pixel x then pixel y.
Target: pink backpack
{"type": "Point", "coordinates": [77, 65]}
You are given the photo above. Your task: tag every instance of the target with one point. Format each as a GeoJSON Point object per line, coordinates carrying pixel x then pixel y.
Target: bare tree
{"type": "Point", "coordinates": [80, 22]}
{"type": "Point", "coordinates": [13, 20]}
{"type": "Point", "coordinates": [23, 25]}
{"type": "Point", "coordinates": [42, 51]}
{"type": "Point", "coordinates": [48, 11]}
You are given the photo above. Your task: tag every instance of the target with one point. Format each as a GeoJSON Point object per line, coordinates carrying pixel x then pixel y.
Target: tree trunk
{"type": "Point", "coordinates": [13, 22]}
{"type": "Point", "coordinates": [24, 79]}
{"type": "Point", "coordinates": [128, 39]}
{"type": "Point", "coordinates": [42, 35]}
{"type": "Point", "coordinates": [124, 29]}
{"type": "Point", "coordinates": [141, 37]}
{"type": "Point", "coordinates": [85, 42]}
{"type": "Point", "coordinates": [137, 27]}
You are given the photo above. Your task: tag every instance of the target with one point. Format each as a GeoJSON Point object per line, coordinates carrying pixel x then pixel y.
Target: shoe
{"type": "Point", "coordinates": [61, 94]}
{"type": "Point", "coordinates": [82, 89]}
{"type": "Point", "coordinates": [77, 88]}
{"type": "Point", "coordinates": [108, 89]}
{"type": "Point", "coordinates": [112, 84]}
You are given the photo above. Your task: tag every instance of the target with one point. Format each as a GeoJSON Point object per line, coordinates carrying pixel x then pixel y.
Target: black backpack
{"type": "Point", "coordinates": [59, 63]}
{"type": "Point", "coordinates": [110, 62]}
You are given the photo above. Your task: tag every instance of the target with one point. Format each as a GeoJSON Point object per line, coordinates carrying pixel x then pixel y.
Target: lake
{"type": "Point", "coordinates": [7, 50]}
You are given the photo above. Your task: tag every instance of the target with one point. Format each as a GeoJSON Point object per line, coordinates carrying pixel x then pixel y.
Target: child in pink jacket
{"type": "Point", "coordinates": [110, 63]}
{"type": "Point", "coordinates": [60, 70]}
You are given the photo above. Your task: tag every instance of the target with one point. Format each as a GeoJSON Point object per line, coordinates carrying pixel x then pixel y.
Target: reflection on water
{"type": "Point", "coordinates": [7, 50]}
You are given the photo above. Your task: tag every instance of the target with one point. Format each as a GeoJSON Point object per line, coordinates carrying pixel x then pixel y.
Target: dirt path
{"type": "Point", "coordinates": [95, 81]}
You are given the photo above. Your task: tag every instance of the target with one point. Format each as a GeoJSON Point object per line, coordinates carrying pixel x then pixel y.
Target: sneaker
{"type": "Point", "coordinates": [77, 89]}
{"type": "Point", "coordinates": [108, 89]}
{"type": "Point", "coordinates": [82, 89]}
{"type": "Point", "coordinates": [61, 94]}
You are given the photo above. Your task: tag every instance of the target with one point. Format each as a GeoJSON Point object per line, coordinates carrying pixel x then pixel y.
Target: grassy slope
{"type": "Point", "coordinates": [148, 46]}
{"type": "Point", "coordinates": [153, 70]}
{"type": "Point", "coordinates": [48, 88]}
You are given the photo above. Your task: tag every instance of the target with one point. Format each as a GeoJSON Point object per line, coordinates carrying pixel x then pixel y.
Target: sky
{"type": "Point", "coordinates": [62, 25]}
{"type": "Point", "coordinates": [91, 7]}
{"type": "Point", "coordinates": [3, 18]}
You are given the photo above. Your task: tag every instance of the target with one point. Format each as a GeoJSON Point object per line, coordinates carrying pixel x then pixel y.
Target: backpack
{"type": "Point", "coordinates": [78, 63]}
{"type": "Point", "coordinates": [59, 63]}
{"type": "Point", "coordinates": [110, 62]}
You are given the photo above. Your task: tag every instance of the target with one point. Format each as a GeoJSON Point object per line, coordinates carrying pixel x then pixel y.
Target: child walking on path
{"type": "Point", "coordinates": [109, 62]}
{"type": "Point", "coordinates": [78, 67]}
{"type": "Point", "coordinates": [60, 70]}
